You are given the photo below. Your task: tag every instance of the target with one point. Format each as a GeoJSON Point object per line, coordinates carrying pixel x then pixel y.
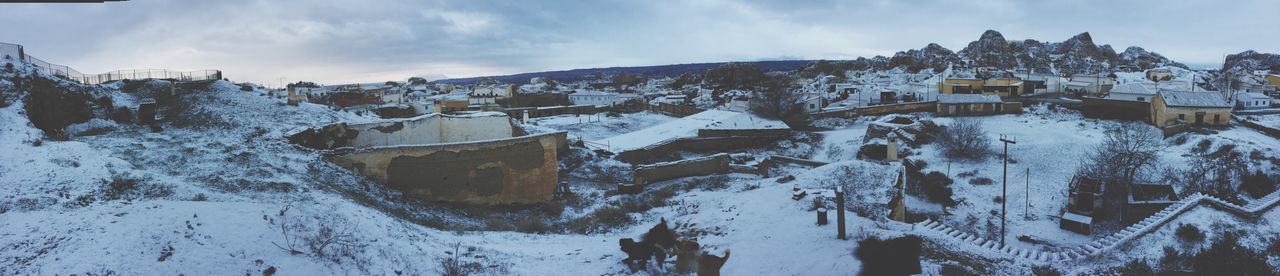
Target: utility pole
{"type": "Point", "coordinates": [1004, 194]}
{"type": "Point", "coordinates": [1026, 213]}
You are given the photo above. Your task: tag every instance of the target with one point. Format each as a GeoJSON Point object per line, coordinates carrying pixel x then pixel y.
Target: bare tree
{"type": "Point", "coordinates": [1125, 150]}
{"type": "Point", "coordinates": [775, 100]}
{"type": "Point", "coordinates": [965, 138]}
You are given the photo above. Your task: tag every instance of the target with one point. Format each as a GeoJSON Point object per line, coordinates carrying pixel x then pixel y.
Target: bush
{"type": "Point", "coordinates": [1228, 257]}
{"type": "Point", "coordinates": [1135, 267]}
{"type": "Point", "coordinates": [937, 188]}
{"type": "Point", "coordinates": [1045, 271]}
{"type": "Point", "coordinates": [1257, 184]}
{"type": "Point", "coordinates": [1189, 233]}
{"type": "Point", "coordinates": [964, 139]}
{"type": "Point", "coordinates": [981, 181]}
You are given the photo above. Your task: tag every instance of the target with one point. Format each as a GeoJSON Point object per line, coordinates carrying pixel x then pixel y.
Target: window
{"type": "Point", "coordinates": [1182, 117]}
{"type": "Point", "coordinates": [1216, 117]}
{"type": "Point", "coordinates": [1142, 99]}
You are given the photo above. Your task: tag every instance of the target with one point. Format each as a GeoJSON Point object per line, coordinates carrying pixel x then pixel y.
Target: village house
{"type": "Point", "coordinates": [1159, 74]}
{"type": "Point", "coordinates": [1253, 101]}
{"type": "Point", "coordinates": [599, 98]}
{"type": "Point", "coordinates": [1265, 89]}
{"type": "Point", "coordinates": [961, 86]}
{"type": "Point", "coordinates": [1003, 87]}
{"type": "Point", "coordinates": [496, 91]}
{"type": "Point", "coordinates": [1196, 108]}
{"type": "Point", "coordinates": [1091, 84]}
{"type": "Point", "coordinates": [974, 105]}
{"type": "Point", "coordinates": [1273, 80]}
{"type": "Point", "coordinates": [810, 102]}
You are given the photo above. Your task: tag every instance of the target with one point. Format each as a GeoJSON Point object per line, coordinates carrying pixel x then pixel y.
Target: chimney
{"type": "Point", "coordinates": [891, 148]}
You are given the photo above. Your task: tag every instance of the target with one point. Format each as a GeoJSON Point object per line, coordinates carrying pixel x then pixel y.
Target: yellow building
{"type": "Point", "coordinates": [1004, 87]}
{"type": "Point", "coordinates": [1194, 108]}
{"type": "Point", "coordinates": [1273, 79]}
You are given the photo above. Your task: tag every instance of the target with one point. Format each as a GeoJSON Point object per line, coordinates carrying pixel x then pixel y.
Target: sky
{"type": "Point", "coordinates": [334, 41]}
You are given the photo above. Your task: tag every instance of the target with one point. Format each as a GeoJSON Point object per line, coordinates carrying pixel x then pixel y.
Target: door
{"type": "Point", "coordinates": [1199, 118]}
{"type": "Point", "coordinates": [951, 110]}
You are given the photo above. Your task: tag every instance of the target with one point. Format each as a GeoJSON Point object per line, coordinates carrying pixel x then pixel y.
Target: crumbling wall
{"type": "Point", "coordinates": [715, 164]}
{"type": "Point", "coordinates": [52, 107]}
{"type": "Point", "coordinates": [504, 171]}
{"type": "Point", "coordinates": [426, 129]}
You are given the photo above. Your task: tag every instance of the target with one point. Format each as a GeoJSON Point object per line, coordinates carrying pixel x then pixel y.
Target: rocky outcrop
{"type": "Point", "coordinates": [1138, 58]}
{"type": "Point", "coordinates": [1078, 54]}
{"type": "Point", "coordinates": [932, 56]}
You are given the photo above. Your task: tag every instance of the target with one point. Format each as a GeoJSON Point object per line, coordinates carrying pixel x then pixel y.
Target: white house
{"type": "Point", "coordinates": [499, 91]}
{"type": "Point", "coordinates": [810, 102]}
{"type": "Point", "coordinates": [1253, 101]}
{"type": "Point", "coordinates": [598, 98]}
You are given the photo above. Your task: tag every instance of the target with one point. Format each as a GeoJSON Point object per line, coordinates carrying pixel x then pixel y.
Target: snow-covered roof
{"type": "Point", "coordinates": [1193, 99]}
{"type": "Point", "coordinates": [1078, 83]}
{"type": "Point", "coordinates": [1254, 96]}
{"type": "Point", "coordinates": [967, 98]}
{"type": "Point", "coordinates": [1134, 88]}
{"type": "Point", "coordinates": [592, 93]}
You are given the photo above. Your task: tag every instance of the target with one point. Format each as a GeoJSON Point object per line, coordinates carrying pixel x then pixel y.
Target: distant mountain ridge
{"type": "Point", "coordinates": [1076, 55]}
{"type": "Point", "coordinates": [673, 70]}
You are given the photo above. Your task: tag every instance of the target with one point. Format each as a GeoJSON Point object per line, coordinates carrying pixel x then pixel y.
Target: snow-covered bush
{"type": "Point", "coordinates": [1189, 233]}
{"type": "Point", "coordinates": [1258, 184]}
{"type": "Point", "coordinates": [965, 138]}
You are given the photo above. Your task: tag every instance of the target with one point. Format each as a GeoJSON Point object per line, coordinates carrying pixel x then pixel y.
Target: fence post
{"type": "Point", "coordinates": [840, 213]}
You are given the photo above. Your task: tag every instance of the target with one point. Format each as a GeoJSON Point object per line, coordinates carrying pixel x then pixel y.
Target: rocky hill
{"type": "Point", "coordinates": [1078, 54]}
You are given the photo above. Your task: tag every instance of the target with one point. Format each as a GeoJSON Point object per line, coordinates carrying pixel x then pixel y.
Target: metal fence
{"type": "Point", "coordinates": [15, 51]}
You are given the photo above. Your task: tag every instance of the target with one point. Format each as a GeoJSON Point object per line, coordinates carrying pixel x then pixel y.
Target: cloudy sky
{"type": "Point", "coordinates": [331, 41]}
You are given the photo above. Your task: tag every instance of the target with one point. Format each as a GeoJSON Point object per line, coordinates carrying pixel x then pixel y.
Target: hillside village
{"type": "Point", "coordinates": [1006, 157]}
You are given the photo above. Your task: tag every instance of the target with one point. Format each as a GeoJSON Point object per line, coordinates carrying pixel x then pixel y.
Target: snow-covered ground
{"type": "Point", "coordinates": [601, 125]}
{"type": "Point", "coordinates": [225, 194]}
{"type": "Point", "coordinates": [687, 127]}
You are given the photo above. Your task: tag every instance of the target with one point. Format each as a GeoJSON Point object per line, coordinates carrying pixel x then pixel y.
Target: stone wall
{"type": "Point", "coordinates": [715, 164]}
{"type": "Point", "coordinates": [425, 129]}
{"type": "Point", "coordinates": [502, 171]}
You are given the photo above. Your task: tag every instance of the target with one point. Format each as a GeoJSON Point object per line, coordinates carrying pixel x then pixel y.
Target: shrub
{"type": "Point", "coordinates": [981, 181]}
{"type": "Point", "coordinates": [1136, 267]}
{"type": "Point", "coordinates": [1045, 271]}
{"type": "Point", "coordinates": [118, 187]}
{"type": "Point", "coordinates": [937, 188]}
{"type": "Point", "coordinates": [533, 224]}
{"type": "Point", "coordinates": [1257, 184]}
{"type": "Point", "coordinates": [1189, 233]}
{"type": "Point", "coordinates": [1228, 257]}
{"type": "Point", "coordinates": [964, 139]}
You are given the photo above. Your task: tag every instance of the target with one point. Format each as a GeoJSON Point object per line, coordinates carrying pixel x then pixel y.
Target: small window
{"type": "Point", "coordinates": [1142, 99]}
{"type": "Point", "coordinates": [1182, 116]}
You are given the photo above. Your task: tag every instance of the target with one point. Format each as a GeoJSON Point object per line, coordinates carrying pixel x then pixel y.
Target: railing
{"type": "Point", "coordinates": [15, 52]}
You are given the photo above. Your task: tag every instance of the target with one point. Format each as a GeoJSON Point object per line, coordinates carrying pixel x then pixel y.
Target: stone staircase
{"type": "Point", "coordinates": [935, 229]}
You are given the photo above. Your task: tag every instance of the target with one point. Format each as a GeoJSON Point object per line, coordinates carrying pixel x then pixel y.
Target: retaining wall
{"type": "Point", "coordinates": [426, 129]}
{"type": "Point", "coordinates": [1269, 131]}
{"type": "Point", "coordinates": [715, 164]}
{"type": "Point", "coordinates": [510, 170]}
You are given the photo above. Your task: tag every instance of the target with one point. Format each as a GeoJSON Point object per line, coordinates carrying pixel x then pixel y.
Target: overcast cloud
{"type": "Point", "coordinates": [331, 41]}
